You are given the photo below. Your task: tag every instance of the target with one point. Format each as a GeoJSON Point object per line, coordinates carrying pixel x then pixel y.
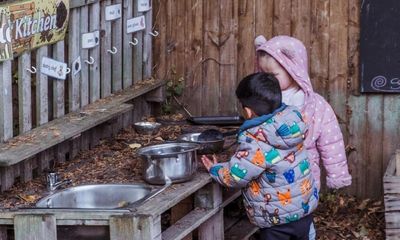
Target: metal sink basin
{"type": "Point", "coordinates": [99, 196]}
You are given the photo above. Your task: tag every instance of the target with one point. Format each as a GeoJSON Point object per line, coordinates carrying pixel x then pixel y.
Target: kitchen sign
{"type": "Point", "coordinates": [25, 25]}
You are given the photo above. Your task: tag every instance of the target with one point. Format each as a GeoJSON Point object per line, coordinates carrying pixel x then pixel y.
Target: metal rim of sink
{"type": "Point", "coordinates": [151, 192]}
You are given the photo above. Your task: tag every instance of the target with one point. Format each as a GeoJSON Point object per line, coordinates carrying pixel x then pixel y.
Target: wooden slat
{"type": "Point", "coordinates": [80, 3]}
{"type": "Point", "coordinates": [242, 230]}
{"type": "Point", "coordinates": [211, 81]}
{"type": "Point", "coordinates": [338, 17]}
{"type": "Point", "coordinates": [6, 118]}
{"type": "Point", "coordinates": [94, 69]}
{"type": "Point", "coordinates": [319, 46]}
{"type": "Point", "coordinates": [160, 43]}
{"type": "Point", "coordinates": [7, 177]}
{"type": "Point", "coordinates": [282, 11]}
{"type": "Point", "coordinates": [106, 70]}
{"type": "Point", "coordinates": [264, 18]}
{"type": "Point", "coordinates": [131, 227]}
{"type": "Point", "coordinates": [228, 54]}
{"type": "Point", "coordinates": [188, 223]}
{"type": "Point", "coordinates": [194, 39]}
{"type": "Point", "coordinates": [127, 76]}
{"type": "Point", "coordinates": [35, 227]}
{"type": "Point", "coordinates": [301, 25]}
{"type": "Point", "coordinates": [357, 123]}
{"type": "Point", "coordinates": [246, 36]}
{"type": "Point", "coordinates": [59, 130]}
{"type": "Point", "coordinates": [24, 93]}
{"type": "Point", "coordinates": [42, 104]}
{"type": "Point", "coordinates": [117, 32]}
{"type": "Point", "coordinates": [73, 54]}
{"type": "Point", "coordinates": [84, 27]}
{"type": "Point", "coordinates": [137, 50]}
{"type": "Point", "coordinates": [213, 228]}
{"type": "Point", "coordinates": [148, 43]}
{"type": "Point", "coordinates": [58, 85]}
{"type": "Point", "coordinates": [391, 136]}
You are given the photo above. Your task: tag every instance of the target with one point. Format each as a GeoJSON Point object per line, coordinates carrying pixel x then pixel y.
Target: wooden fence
{"type": "Point", "coordinates": [210, 44]}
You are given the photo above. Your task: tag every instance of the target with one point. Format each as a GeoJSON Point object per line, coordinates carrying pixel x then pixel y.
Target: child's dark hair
{"type": "Point", "coordinates": [260, 92]}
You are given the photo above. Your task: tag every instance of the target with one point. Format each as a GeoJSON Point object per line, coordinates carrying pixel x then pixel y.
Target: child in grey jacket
{"type": "Point", "coordinates": [270, 164]}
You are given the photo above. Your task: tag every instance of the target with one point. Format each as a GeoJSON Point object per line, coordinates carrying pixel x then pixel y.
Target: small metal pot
{"type": "Point", "coordinates": [147, 128]}
{"type": "Point", "coordinates": [206, 147]}
{"type": "Point", "coordinates": [178, 161]}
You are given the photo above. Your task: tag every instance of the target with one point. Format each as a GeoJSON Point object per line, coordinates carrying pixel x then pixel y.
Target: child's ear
{"type": "Point", "coordinates": [249, 113]}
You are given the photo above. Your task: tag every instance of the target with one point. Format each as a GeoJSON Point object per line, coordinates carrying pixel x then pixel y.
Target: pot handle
{"type": "Point", "coordinates": [168, 183]}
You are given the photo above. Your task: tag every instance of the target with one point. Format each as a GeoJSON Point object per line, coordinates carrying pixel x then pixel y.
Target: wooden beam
{"type": "Point", "coordinates": [80, 3]}
{"type": "Point", "coordinates": [397, 156]}
{"type": "Point", "coordinates": [35, 227]}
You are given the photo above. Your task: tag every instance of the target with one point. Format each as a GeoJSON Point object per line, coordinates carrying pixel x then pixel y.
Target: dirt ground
{"type": "Point", "coordinates": [338, 216]}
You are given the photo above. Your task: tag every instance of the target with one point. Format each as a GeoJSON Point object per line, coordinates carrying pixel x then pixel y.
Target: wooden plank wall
{"type": "Point", "coordinates": [36, 99]}
{"type": "Point", "coordinates": [210, 44]}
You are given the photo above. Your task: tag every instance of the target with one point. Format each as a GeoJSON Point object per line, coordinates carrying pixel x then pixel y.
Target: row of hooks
{"type": "Point", "coordinates": [91, 60]}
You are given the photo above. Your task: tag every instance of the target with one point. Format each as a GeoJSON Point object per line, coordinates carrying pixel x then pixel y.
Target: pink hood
{"type": "Point", "coordinates": [324, 140]}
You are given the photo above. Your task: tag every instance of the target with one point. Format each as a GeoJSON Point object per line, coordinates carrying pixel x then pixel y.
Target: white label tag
{"type": "Point", "coordinates": [113, 12]}
{"type": "Point", "coordinates": [53, 68]}
{"type": "Point", "coordinates": [91, 39]}
{"type": "Point", "coordinates": [76, 66]}
{"type": "Point", "coordinates": [135, 24]}
{"type": "Point", "coordinates": [144, 5]}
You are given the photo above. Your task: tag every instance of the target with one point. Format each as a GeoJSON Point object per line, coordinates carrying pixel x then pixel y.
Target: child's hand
{"type": "Point", "coordinates": [207, 162]}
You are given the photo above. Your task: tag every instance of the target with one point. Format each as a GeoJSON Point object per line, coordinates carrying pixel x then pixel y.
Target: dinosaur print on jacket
{"type": "Point", "coordinates": [238, 173]}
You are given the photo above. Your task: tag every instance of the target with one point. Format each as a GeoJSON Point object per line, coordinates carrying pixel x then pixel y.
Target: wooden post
{"type": "Point", "coordinates": [106, 57]}
{"type": "Point", "coordinates": [131, 227]}
{"type": "Point", "coordinates": [58, 85]}
{"type": "Point", "coordinates": [73, 53]}
{"type": "Point", "coordinates": [397, 157]}
{"type": "Point", "coordinates": [42, 94]}
{"type": "Point", "coordinates": [127, 75]}
{"type": "Point", "coordinates": [211, 197]}
{"type": "Point", "coordinates": [84, 26]}
{"type": "Point", "coordinates": [6, 119]}
{"type": "Point", "coordinates": [94, 70]}
{"type": "Point", "coordinates": [35, 227]}
{"type": "Point", "coordinates": [24, 92]}
{"type": "Point", "coordinates": [117, 31]}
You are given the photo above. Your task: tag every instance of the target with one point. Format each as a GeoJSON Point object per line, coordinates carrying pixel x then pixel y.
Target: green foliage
{"type": "Point", "coordinates": [175, 87]}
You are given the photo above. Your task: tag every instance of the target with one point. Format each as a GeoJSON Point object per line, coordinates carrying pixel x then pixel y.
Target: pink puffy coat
{"type": "Point", "coordinates": [324, 140]}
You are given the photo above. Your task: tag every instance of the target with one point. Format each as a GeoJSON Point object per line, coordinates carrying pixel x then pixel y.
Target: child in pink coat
{"type": "Point", "coordinates": [286, 57]}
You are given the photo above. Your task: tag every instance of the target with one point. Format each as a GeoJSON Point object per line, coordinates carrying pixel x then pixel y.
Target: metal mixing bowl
{"type": "Point", "coordinates": [147, 128]}
{"type": "Point", "coordinates": [206, 147]}
{"type": "Point", "coordinates": [178, 161]}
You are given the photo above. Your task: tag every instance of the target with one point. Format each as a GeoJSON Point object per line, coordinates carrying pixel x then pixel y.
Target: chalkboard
{"type": "Point", "coordinates": [380, 46]}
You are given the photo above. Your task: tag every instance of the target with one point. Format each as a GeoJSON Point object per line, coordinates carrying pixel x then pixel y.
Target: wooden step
{"type": "Point", "coordinates": [241, 230]}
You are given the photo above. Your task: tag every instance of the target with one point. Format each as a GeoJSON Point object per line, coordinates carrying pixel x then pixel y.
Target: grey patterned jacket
{"type": "Point", "coordinates": [272, 168]}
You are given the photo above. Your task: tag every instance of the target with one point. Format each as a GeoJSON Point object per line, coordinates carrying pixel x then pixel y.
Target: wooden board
{"type": "Point", "coordinates": [42, 104]}
{"type": "Point", "coordinates": [73, 54]}
{"type": "Point", "coordinates": [35, 227]}
{"type": "Point", "coordinates": [6, 119]}
{"type": "Point", "coordinates": [57, 131]}
{"type": "Point", "coordinates": [282, 11]}
{"type": "Point", "coordinates": [58, 85]}
{"type": "Point", "coordinates": [242, 230]}
{"type": "Point", "coordinates": [84, 74]}
{"type": "Point", "coordinates": [127, 53]}
{"type": "Point", "coordinates": [319, 46]}
{"type": "Point", "coordinates": [228, 52]}
{"type": "Point", "coordinates": [106, 70]}
{"type": "Point", "coordinates": [94, 69]}
{"type": "Point", "coordinates": [193, 59]}
{"type": "Point", "coordinates": [24, 93]}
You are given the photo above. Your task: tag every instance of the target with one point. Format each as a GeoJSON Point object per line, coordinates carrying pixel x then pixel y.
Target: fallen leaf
{"type": "Point", "coordinates": [135, 145]}
{"type": "Point", "coordinates": [159, 139]}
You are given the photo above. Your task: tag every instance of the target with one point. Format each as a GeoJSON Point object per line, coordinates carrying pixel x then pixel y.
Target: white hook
{"type": "Point", "coordinates": [135, 42]}
{"type": "Point", "coordinates": [32, 70]}
{"type": "Point", "coordinates": [154, 34]}
{"type": "Point", "coordinates": [113, 51]}
{"type": "Point", "coordinates": [68, 70]}
{"type": "Point", "coordinates": [91, 61]}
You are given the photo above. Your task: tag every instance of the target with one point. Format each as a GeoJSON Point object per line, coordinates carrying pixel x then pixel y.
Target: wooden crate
{"type": "Point", "coordinates": [142, 222]}
{"type": "Point", "coordinates": [391, 185]}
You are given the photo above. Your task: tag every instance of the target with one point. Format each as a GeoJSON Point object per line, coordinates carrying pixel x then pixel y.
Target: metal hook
{"type": "Point", "coordinates": [135, 42]}
{"type": "Point", "coordinates": [32, 70]}
{"type": "Point", "coordinates": [113, 51]}
{"type": "Point", "coordinates": [91, 61]}
{"type": "Point", "coordinates": [154, 34]}
{"type": "Point", "coordinates": [68, 70]}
